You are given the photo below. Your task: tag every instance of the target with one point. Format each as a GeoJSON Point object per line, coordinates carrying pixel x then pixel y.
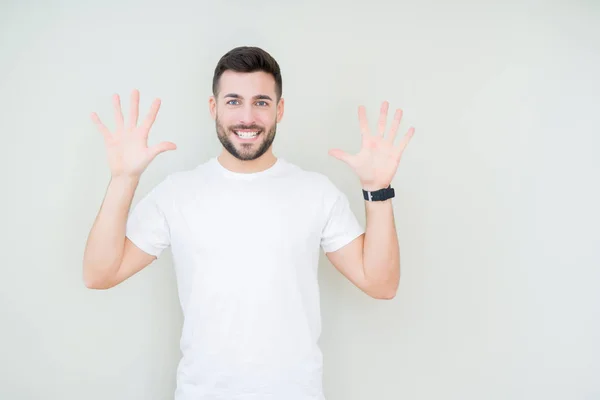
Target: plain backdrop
{"type": "Point", "coordinates": [497, 204]}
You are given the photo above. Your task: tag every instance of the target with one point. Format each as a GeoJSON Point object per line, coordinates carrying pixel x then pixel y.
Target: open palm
{"type": "Point", "coordinates": [127, 147]}
{"type": "Point", "coordinates": [377, 161]}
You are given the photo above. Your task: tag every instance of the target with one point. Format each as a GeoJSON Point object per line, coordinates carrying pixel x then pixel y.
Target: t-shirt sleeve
{"type": "Point", "coordinates": [341, 225]}
{"type": "Point", "coordinates": [147, 225]}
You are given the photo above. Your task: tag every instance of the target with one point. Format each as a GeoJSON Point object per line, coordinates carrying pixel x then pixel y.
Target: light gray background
{"type": "Point", "coordinates": [497, 194]}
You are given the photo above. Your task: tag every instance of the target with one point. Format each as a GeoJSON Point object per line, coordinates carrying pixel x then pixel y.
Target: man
{"type": "Point", "coordinates": [245, 229]}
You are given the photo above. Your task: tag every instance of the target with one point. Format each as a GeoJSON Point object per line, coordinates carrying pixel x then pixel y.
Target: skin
{"type": "Point", "coordinates": [246, 102]}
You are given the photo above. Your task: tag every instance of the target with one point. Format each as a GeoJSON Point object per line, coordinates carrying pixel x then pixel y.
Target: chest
{"type": "Point", "coordinates": [246, 221]}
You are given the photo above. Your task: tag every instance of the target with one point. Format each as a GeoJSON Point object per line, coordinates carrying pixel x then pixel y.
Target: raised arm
{"type": "Point", "coordinates": [372, 261]}
{"type": "Point", "coordinates": [110, 257]}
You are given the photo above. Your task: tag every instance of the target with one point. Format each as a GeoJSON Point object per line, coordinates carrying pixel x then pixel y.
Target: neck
{"type": "Point", "coordinates": [246, 167]}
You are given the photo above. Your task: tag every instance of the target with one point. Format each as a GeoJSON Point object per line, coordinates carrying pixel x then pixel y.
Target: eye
{"type": "Point", "coordinates": [262, 103]}
{"type": "Point", "coordinates": [230, 102]}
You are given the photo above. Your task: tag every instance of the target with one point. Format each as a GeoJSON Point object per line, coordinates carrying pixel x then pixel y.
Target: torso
{"type": "Point", "coordinates": [246, 250]}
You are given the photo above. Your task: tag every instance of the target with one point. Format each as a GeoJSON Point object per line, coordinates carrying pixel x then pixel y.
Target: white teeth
{"type": "Point", "coordinates": [246, 135]}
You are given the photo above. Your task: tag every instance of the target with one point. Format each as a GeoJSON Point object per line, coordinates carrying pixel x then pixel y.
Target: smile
{"type": "Point", "coordinates": [247, 135]}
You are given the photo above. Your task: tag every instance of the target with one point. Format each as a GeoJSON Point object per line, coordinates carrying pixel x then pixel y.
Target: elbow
{"type": "Point", "coordinates": [383, 280]}
{"type": "Point", "coordinates": [95, 282]}
{"type": "Point", "coordinates": [95, 286]}
{"type": "Point", "coordinates": [384, 291]}
{"type": "Point", "coordinates": [384, 294]}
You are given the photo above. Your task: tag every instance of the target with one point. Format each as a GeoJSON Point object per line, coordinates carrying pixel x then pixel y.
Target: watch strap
{"type": "Point", "coordinates": [379, 195]}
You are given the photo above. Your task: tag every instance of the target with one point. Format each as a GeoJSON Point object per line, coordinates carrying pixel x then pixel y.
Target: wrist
{"type": "Point", "coordinates": [379, 194]}
{"type": "Point", "coordinates": [370, 187]}
{"type": "Point", "coordinates": [125, 180]}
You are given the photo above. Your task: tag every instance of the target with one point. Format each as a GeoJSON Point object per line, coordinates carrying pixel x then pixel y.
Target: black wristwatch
{"type": "Point", "coordinates": [379, 195]}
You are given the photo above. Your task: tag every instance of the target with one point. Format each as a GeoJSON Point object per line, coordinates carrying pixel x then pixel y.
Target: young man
{"type": "Point", "coordinates": [245, 230]}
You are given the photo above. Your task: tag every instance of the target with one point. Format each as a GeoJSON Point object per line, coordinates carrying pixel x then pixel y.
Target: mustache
{"type": "Point", "coordinates": [246, 127]}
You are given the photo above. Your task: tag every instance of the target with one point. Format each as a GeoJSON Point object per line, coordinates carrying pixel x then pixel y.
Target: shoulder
{"type": "Point", "coordinates": [318, 182]}
{"type": "Point", "coordinates": [176, 183]}
{"type": "Point", "coordinates": [304, 173]}
{"type": "Point", "coordinates": [189, 177]}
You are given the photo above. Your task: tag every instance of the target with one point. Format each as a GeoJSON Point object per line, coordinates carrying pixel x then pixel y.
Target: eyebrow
{"type": "Point", "coordinates": [257, 97]}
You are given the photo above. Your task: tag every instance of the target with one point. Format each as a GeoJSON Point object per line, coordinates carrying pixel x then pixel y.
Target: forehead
{"type": "Point", "coordinates": [247, 84]}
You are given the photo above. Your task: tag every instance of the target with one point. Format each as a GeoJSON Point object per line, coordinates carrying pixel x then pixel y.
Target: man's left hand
{"type": "Point", "coordinates": [377, 161]}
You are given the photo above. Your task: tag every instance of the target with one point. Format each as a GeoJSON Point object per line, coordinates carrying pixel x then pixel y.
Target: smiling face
{"type": "Point", "coordinates": [246, 111]}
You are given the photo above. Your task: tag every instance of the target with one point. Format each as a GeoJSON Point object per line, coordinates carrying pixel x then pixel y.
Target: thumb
{"type": "Point", "coordinates": [341, 155]}
{"type": "Point", "coordinates": [162, 147]}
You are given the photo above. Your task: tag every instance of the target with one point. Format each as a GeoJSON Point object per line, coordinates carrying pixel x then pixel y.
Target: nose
{"type": "Point", "coordinates": [246, 115]}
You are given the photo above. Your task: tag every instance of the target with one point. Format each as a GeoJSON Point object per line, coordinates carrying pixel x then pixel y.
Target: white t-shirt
{"type": "Point", "coordinates": [245, 249]}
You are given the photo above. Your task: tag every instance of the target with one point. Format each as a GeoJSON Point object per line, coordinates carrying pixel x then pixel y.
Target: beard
{"type": "Point", "coordinates": [245, 151]}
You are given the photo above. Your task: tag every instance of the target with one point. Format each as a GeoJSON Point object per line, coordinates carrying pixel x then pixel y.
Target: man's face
{"type": "Point", "coordinates": [246, 113]}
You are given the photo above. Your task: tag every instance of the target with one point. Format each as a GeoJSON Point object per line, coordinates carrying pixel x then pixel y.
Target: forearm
{"type": "Point", "coordinates": [381, 254]}
{"type": "Point", "coordinates": [104, 248]}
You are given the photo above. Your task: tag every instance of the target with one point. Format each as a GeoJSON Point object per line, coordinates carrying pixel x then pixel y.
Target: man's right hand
{"type": "Point", "coordinates": [127, 148]}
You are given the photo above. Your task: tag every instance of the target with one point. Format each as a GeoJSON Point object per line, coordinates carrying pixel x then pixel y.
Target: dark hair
{"type": "Point", "coordinates": [248, 59]}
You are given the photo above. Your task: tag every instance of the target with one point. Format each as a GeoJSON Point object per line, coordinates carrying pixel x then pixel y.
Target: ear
{"type": "Point", "coordinates": [280, 109]}
{"type": "Point", "coordinates": [212, 106]}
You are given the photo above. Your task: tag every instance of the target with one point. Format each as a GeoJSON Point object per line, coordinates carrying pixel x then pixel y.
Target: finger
{"type": "Point", "coordinates": [395, 125]}
{"type": "Point", "coordinates": [134, 108]}
{"type": "Point", "coordinates": [118, 112]}
{"type": "Point", "coordinates": [161, 148]}
{"type": "Point", "coordinates": [103, 129]}
{"type": "Point", "coordinates": [342, 156]}
{"type": "Point", "coordinates": [382, 118]}
{"type": "Point", "coordinates": [362, 119]}
{"type": "Point", "coordinates": [404, 142]}
{"type": "Point", "coordinates": [150, 117]}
